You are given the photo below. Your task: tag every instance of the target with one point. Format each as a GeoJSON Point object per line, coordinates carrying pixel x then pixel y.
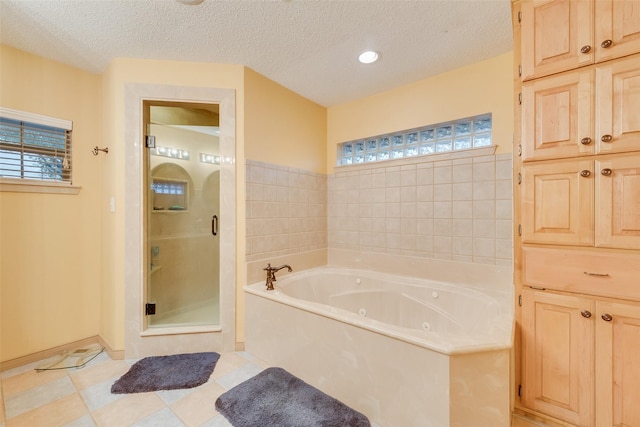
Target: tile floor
{"type": "Point", "coordinates": [82, 397]}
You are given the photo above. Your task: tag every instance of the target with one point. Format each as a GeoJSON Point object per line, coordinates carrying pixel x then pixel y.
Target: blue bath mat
{"type": "Point", "coordinates": [167, 373]}
{"type": "Point", "coordinates": [274, 397]}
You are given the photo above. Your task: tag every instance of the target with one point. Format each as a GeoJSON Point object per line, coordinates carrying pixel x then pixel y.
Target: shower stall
{"type": "Point", "coordinates": [179, 219]}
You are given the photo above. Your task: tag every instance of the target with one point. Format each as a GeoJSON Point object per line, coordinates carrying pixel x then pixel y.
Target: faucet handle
{"type": "Point", "coordinates": [268, 267]}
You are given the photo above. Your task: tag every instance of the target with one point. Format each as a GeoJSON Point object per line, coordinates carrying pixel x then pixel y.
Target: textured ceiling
{"type": "Point", "coordinates": [308, 46]}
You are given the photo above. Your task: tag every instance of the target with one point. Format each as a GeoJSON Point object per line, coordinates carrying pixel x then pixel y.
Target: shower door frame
{"type": "Point", "coordinates": [141, 341]}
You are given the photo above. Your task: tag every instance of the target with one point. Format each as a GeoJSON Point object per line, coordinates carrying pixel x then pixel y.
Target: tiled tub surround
{"type": "Point", "coordinates": [427, 370]}
{"type": "Point", "coordinates": [440, 206]}
{"type": "Point", "coordinates": [286, 210]}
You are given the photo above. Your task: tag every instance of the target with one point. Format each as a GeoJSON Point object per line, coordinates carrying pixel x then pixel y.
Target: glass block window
{"type": "Point", "coordinates": [460, 134]}
{"type": "Point", "coordinates": [169, 194]}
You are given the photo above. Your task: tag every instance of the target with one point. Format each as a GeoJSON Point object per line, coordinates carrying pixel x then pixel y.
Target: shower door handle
{"type": "Point", "coordinates": [214, 225]}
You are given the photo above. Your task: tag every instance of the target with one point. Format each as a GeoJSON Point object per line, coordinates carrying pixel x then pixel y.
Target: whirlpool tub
{"type": "Point", "coordinates": [404, 351]}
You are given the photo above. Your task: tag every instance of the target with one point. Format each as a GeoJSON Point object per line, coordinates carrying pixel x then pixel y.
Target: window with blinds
{"type": "Point", "coordinates": [34, 147]}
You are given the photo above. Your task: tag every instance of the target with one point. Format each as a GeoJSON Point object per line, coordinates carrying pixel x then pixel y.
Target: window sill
{"type": "Point", "coordinates": [8, 185]}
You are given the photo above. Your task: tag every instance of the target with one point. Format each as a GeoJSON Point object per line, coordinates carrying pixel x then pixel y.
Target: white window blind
{"type": "Point", "coordinates": [34, 147]}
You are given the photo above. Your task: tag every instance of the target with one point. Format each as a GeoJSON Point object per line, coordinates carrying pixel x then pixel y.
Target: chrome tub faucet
{"type": "Point", "coordinates": [271, 274]}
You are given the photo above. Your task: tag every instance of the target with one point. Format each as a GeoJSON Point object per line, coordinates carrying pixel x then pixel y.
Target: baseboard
{"type": "Point", "coordinates": [44, 354]}
{"type": "Point", "coordinates": [530, 418]}
{"type": "Point", "coordinates": [40, 355]}
{"type": "Point", "coordinates": [113, 354]}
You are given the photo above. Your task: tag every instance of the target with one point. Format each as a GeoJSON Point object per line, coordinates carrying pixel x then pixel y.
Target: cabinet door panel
{"type": "Point", "coordinates": [553, 34]}
{"type": "Point", "coordinates": [618, 365]}
{"type": "Point", "coordinates": [558, 356]}
{"type": "Point", "coordinates": [618, 106]}
{"type": "Point", "coordinates": [557, 203]}
{"type": "Point", "coordinates": [618, 21]}
{"type": "Point", "coordinates": [557, 115]}
{"type": "Point", "coordinates": [618, 203]}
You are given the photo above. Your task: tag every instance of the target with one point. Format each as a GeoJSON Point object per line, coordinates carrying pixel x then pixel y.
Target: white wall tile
{"type": "Point", "coordinates": [455, 209]}
{"type": "Point", "coordinates": [442, 173]}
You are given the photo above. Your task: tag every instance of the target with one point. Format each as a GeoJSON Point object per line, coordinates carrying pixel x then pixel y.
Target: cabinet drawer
{"type": "Point", "coordinates": [590, 272]}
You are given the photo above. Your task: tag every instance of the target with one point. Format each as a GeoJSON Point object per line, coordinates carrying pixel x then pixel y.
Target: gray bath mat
{"type": "Point", "coordinates": [167, 373]}
{"type": "Point", "coordinates": [274, 397]}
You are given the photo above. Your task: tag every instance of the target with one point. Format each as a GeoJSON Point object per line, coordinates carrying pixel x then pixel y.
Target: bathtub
{"type": "Point", "coordinates": [404, 351]}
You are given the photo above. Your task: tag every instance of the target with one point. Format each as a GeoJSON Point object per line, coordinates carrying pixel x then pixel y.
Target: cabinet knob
{"type": "Point", "coordinates": [585, 173]}
{"type": "Point", "coordinates": [585, 49]}
{"type": "Point", "coordinates": [607, 317]}
{"type": "Point", "coordinates": [586, 313]}
{"type": "Point", "coordinates": [607, 43]}
{"type": "Point", "coordinates": [585, 141]}
{"type": "Point", "coordinates": [606, 172]}
{"type": "Point", "coordinates": [606, 138]}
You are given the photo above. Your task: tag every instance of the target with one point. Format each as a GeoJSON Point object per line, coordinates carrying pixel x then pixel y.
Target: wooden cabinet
{"type": "Point", "coordinates": [586, 271]}
{"type": "Point", "coordinates": [617, 364]}
{"type": "Point", "coordinates": [577, 189]}
{"type": "Point", "coordinates": [557, 203]}
{"type": "Point", "coordinates": [557, 350]}
{"type": "Point", "coordinates": [582, 202]}
{"type": "Point", "coordinates": [565, 374]}
{"type": "Point", "coordinates": [585, 112]}
{"type": "Point", "coordinates": [556, 36]}
{"type": "Point", "coordinates": [559, 35]}
{"type": "Point", "coordinates": [557, 116]}
{"type": "Point", "coordinates": [617, 28]}
{"type": "Point", "coordinates": [617, 127]}
{"type": "Point", "coordinates": [618, 203]}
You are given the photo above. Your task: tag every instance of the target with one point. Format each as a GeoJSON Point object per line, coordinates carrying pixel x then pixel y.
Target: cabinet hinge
{"type": "Point", "coordinates": [519, 70]}
{"type": "Point", "coordinates": [520, 300]}
{"type": "Point", "coordinates": [519, 229]}
{"type": "Point", "coordinates": [519, 17]}
{"type": "Point", "coordinates": [520, 98]}
{"type": "Point", "coordinates": [519, 150]}
{"type": "Point", "coordinates": [519, 390]}
{"type": "Point", "coordinates": [519, 178]}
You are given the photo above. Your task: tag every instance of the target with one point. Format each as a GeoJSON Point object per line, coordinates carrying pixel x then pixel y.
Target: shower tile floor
{"type": "Point", "coordinates": [82, 397]}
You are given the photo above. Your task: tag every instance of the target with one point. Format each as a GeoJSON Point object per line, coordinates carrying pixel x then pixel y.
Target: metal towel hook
{"type": "Point", "coordinates": [104, 150]}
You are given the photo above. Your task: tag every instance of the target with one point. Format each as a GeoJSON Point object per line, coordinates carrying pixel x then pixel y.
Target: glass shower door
{"type": "Point", "coordinates": [183, 201]}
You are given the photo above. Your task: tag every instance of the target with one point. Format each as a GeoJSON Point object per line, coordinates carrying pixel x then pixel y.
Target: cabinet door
{"type": "Point", "coordinates": [557, 115]}
{"type": "Point", "coordinates": [618, 364]}
{"type": "Point", "coordinates": [557, 349]}
{"type": "Point", "coordinates": [618, 105]}
{"type": "Point", "coordinates": [617, 30]}
{"type": "Point", "coordinates": [557, 203]}
{"type": "Point", "coordinates": [556, 36]}
{"type": "Point", "coordinates": [618, 203]}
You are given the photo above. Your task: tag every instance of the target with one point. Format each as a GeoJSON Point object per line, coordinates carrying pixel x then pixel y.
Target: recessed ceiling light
{"type": "Point", "coordinates": [190, 2]}
{"type": "Point", "coordinates": [368, 57]}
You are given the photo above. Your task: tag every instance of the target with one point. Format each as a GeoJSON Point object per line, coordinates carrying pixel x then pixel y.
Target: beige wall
{"type": "Point", "coordinates": [50, 266]}
{"type": "Point", "coordinates": [282, 127]}
{"type": "Point", "coordinates": [483, 87]}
